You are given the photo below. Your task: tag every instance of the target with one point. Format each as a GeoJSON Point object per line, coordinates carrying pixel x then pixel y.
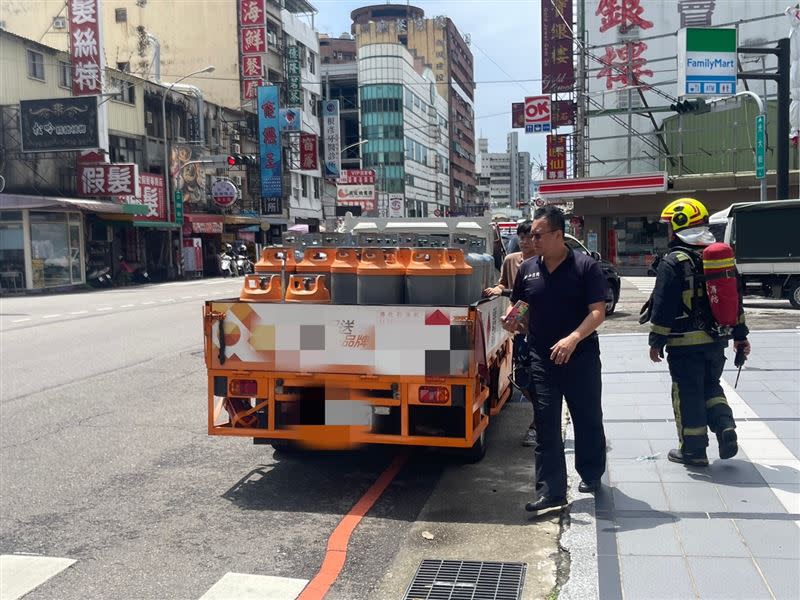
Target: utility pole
{"type": "Point", "coordinates": [782, 79]}
{"type": "Point", "coordinates": [579, 169]}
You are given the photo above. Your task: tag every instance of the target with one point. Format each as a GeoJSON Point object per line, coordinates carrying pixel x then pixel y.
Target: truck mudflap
{"type": "Point", "coordinates": [401, 375]}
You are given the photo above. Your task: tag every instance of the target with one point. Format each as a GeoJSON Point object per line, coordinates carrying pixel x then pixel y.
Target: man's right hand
{"type": "Point", "coordinates": [492, 291]}
{"type": "Point", "coordinates": [656, 354]}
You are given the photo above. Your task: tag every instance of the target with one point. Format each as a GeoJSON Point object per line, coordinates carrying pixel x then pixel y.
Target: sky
{"type": "Point", "coordinates": [506, 40]}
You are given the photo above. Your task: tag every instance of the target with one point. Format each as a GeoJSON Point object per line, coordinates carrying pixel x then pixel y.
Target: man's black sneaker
{"type": "Point", "coordinates": [589, 487]}
{"type": "Point", "coordinates": [728, 443]}
{"type": "Point", "coordinates": [693, 459]}
{"type": "Point", "coordinates": [544, 503]}
{"type": "Point", "coordinates": [530, 437]}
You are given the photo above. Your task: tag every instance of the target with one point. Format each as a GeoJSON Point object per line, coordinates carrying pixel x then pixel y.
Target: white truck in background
{"type": "Point", "coordinates": [765, 237]}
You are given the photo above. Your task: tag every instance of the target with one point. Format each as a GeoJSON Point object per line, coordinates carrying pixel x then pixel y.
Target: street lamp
{"type": "Point", "coordinates": [169, 199]}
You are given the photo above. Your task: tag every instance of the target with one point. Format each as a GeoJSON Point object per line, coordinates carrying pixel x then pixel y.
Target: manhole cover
{"type": "Point", "coordinates": [466, 580]}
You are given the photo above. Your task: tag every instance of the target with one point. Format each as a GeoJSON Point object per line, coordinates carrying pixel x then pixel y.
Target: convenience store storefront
{"type": "Point", "coordinates": [42, 239]}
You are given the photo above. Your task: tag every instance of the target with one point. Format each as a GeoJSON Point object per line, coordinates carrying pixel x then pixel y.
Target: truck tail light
{"type": "Point", "coordinates": [244, 387]}
{"type": "Point", "coordinates": [434, 394]}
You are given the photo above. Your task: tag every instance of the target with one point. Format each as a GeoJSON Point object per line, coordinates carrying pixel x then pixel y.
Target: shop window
{"type": "Point", "coordinates": [12, 251]}
{"type": "Point", "coordinates": [55, 249]}
{"type": "Point", "coordinates": [36, 65]}
{"type": "Point", "coordinates": [304, 183]}
{"type": "Point", "coordinates": [64, 74]}
{"type": "Point", "coordinates": [638, 241]}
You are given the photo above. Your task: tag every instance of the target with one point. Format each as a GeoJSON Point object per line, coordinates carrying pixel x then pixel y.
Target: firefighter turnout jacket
{"type": "Point", "coordinates": [680, 312]}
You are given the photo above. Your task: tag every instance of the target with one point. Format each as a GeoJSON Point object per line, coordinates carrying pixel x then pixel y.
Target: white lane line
{"type": "Point", "coordinates": [80, 312]}
{"type": "Point", "coordinates": [104, 308]}
{"type": "Point", "coordinates": [186, 297]}
{"type": "Point", "coordinates": [19, 574]}
{"type": "Point", "coordinates": [148, 303]}
{"type": "Point", "coordinates": [765, 450]}
{"type": "Point", "coordinates": [127, 306]}
{"type": "Point", "coordinates": [255, 587]}
{"type": "Point", "coordinates": [20, 320]}
{"type": "Point", "coordinates": [167, 300]}
{"type": "Point", "coordinates": [51, 316]}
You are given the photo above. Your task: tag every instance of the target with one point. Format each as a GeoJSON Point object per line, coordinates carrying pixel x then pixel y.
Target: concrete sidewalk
{"type": "Point", "coordinates": [661, 530]}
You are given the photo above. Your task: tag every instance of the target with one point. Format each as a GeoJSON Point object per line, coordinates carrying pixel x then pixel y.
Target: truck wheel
{"type": "Point", "coordinates": [286, 446]}
{"type": "Point", "coordinates": [478, 450]}
{"type": "Point", "coordinates": [794, 294]}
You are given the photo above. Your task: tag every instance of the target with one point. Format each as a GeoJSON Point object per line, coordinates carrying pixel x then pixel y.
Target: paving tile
{"type": "Point", "coordinates": [779, 410]}
{"type": "Point", "coordinates": [793, 444]}
{"type": "Point", "coordinates": [606, 538]}
{"type": "Point", "coordinates": [733, 471]}
{"type": "Point", "coordinates": [608, 575]}
{"type": "Point", "coordinates": [626, 447]}
{"type": "Point", "coordinates": [647, 537]}
{"type": "Point", "coordinates": [784, 384]}
{"type": "Point", "coordinates": [756, 397]}
{"type": "Point", "coordinates": [791, 396]}
{"type": "Point", "coordinates": [758, 429]}
{"type": "Point", "coordinates": [778, 471]}
{"type": "Point", "coordinates": [781, 575]}
{"type": "Point", "coordinates": [697, 496]}
{"type": "Point", "coordinates": [642, 399]}
{"type": "Point", "coordinates": [750, 499]}
{"type": "Point", "coordinates": [639, 496]}
{"type": "Point", "coordinates": [766, 449]}
{"type": "Point", "coordinates": [658, 411]}
{"type": "Point", "coordinates": [711, 537]}
{"type": "Point", "coordinates": [784, 430]}
{"type": "Point", "coordinates": [632, 470]}
{"type": "Point", "coordinates": [665, 430]}
{"type": "Point", "coordinates": [771, 539]}
{"type": "Point", "coordinates": [728, 579]}
{"type": "Point", "coordinates": [621, 411]}
{"type": "Point", "coordinates": [671, 472]}
{"type": "Point", "coordinates": [655, 578]}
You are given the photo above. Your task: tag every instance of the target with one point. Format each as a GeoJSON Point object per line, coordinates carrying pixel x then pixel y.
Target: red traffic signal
{"type": "Point", "coordinates": [232, 160]}
{"type": "Point", "coordinates": [242, 159]}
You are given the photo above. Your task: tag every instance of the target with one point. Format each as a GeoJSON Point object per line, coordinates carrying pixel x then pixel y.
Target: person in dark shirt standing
{"type": "Point", "coordinates": [566, 294]}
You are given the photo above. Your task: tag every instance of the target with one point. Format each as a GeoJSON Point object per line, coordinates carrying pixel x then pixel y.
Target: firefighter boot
{"type": "Point", "coordinates": [728, 442]}
{"type": "Point", "coordinates": [690, 459]}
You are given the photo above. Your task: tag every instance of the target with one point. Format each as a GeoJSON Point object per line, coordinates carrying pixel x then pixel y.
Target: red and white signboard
{"type": "Point", "coordinates": [253, 12]}
{"type": "Point", "coordinates": [224, 193]}
{"type": "Point", "coordinates": [396, 202]}
{"type": "Point", "coordinates": [252, 46]}
{"type": "Point", "coordinates": [556, 157]}
{"type": "Point", "coordinates": [85, 48]}
{"type": "Point", "coordinates": [356, 195]}
{"type": "Point", "coordinates": [537, 114]}
{"type": "Point", "coordinates": [103, 179]}
{"type": "Point", "coordinates": [250, 88]}
{"type": "Point", "coordinates": [357, 177]}
{"type": "Point", "coordinates": [152, 196]}
{"type": "Point", "coordinates": [254, 40]}
{"type": "Point", "coordinates": [252, 66]}
{"type": "Point", "coordinates": [308, 152]}
{"type": "Point", "coordinates": [604, 186]}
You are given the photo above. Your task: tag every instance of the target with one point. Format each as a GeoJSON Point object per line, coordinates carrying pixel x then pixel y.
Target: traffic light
{"type": "Point", "coordinates": [698, 106]}
{"type": "Point", "coordinates": [242, 159]}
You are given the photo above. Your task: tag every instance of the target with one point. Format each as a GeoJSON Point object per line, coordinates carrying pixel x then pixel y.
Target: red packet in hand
{"type": "Point", "coordinates": [517, 314]}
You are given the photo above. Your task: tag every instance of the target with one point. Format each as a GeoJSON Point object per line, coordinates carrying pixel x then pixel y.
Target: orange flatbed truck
{"type": "Point", "coordinates": [336, 376]}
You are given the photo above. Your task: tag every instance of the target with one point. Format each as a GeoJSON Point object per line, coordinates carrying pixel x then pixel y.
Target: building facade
{"type": "Point", "coordinates": [505, 177]}
{"type": "Point", "coordinates": [404, 123]}
{"type": "Point", "coordinates": [439, 45]}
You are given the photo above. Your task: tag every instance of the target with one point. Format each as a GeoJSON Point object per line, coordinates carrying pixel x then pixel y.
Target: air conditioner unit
{"type": "Point", "coordinates": [236, 179]}
{"type": "Point", "coordinates": [235, 134]}
{"type": "Point", "coordinates": [59, 22]}
{"type": "Point", "coordinates": [236, 148]}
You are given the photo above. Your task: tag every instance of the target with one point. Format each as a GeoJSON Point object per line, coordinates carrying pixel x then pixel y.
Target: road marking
{"type": "Point", "coordinates": [167, 300]}
{"type": "Point", "coordinates": [186, 297]}
{"type": "Point", "coordinates": [255, 587]}
{"type": "Point", "coordinates": [148, 303]}
{"type": "Point", "coordinates": [51, 316]}
{"type": "Point", "coordinates": [79, 312]}
{"type": "Point", "coordinates": [104, 308]}
{"type": "Point", "coordinates": [336, 553]}
{"type": "Point", "coordinates": [127, 306]}
{"type": "Point", "coordinates": [20, 320]}
{"type": "Point", "coordinates": [19, 573]}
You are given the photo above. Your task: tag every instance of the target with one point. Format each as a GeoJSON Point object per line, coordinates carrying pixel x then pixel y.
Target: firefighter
{"type": "Point", "coordinates": [682, 320]}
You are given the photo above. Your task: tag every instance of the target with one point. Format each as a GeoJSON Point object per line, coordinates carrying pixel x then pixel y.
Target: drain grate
{"type": "Point", "coordinates": [466, 580]}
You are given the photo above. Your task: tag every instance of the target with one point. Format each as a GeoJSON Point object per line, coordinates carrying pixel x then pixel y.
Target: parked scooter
{"type": "Point", "coordinates": [99, 278]}
{"type": "Point", "coordinates": [243, 262]}
{"type": "Point", "coordinates": [133, 271]}
{"type": "Point", "coordinates": [227, 262]}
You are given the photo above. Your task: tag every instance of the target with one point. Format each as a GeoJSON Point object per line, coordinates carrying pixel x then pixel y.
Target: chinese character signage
{"type": "Point", "coordinates": [86, 51]}
{"type": "Point", "coordinates": [291, 119]}
{"type": "Point", "coordinates": [330, 127]}
{"type": "Point", "coordinates": [60, 124]}
{"type": "Point", "coordinates": [308, 152]}
{"type": "Point", "coordinates": [357, 177]}
{"type": "Point", "coordinates": [556, 157]}
{"type": "Point", "coordinates": [625, 14]}
{"type": "Point", "coordinates": [252, 12]}
{"type": "Point", "coordinates": [293, 73]}
{"type": "Point", "coordinates": [517, 115]}
{"type": "Point", "coordinates": [254, 40]}
{"type": "Point", "coordinates": [537, 114]}
{"type": "Point", "coordinates": [250, 88]}
{"type": "Point", "coordinates": [252, 46]}
{"type": "Point", "coordinates": [269, 142]}
{"type": "Point", "coordinates": [707, 63]}
{"type": "Point", "coordinates": [152, 196]}
{"type": "Point", "coordinates": [103, 179]}
{"type": "Point", "coordinates": [564, 113]}
{"type": "Point", "coordinates": [625, 64]}
{"type": "Point", "coordinates": [558, 73]}
{"type": "Point", "coordinates": [252, 66]}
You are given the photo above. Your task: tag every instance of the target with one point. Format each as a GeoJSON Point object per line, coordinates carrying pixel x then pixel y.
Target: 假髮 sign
{"type": "Point", "coordinates": [59, 124]}
{"type": "Point", "coordinates": [103, 179]}
{"type": "Point", "coordinates": [152, 196]}
{"type": "Point", "coordinates": [537, 114]}
{"type": "Point", "coordinates": [707, 63]}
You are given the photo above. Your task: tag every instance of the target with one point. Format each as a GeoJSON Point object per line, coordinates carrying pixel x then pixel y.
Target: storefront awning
{"type": "Point", "coordinates": [242, 220]}
{"type": "Point", "coordinates": [102, 207]}
{"type": "Point", "coordinates": [156, 224]}
{"type": "Point", "coordinates": [204, 223]}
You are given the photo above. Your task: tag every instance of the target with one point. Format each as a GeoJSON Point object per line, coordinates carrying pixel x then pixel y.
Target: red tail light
{"type": "Point", "coordinates": [244, 387]}
{"type": "Point", "coordinates": [434, 394]}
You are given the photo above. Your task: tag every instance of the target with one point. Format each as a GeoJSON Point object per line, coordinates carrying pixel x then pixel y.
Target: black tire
{"type": "Point", "coordinates": [611, 305]}
{"type": "Point", "coordinates": [794, 294]}
{"type": "Point", "coordinates": [478, 450]}
{"type": "Point", "coordinates": [286, 446]}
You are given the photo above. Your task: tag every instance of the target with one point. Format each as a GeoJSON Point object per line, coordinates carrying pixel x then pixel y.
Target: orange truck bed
{"type": "Point", "coordinates": [335, 376]}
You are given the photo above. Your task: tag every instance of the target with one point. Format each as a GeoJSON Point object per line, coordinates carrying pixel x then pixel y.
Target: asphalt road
{"type": "Point", "coordinates": [105, 460]}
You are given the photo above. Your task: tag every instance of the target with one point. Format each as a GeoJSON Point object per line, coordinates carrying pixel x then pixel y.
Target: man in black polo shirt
{"type": "Point", "coordinates": [566, 294]}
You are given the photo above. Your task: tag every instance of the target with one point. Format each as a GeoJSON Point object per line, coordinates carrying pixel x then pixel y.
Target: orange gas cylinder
{"type": "Point", "coordinates": [344, 276]}
{"type": "Point", "coordinates": [262, 288]}
{"type": "Point", "coordinates": [430, 278]}
{"type": "Point", "coordinates": [317, 261]}
{"type": "Point", "coordinates": [455, 256]}
{"type": "Point", "coordinates": [381, 277]}
{"type": "Point", "coordinates": [308, 288]}
{"type": "Point", "coordinates": [721, 284]}
{"type": "Point", "coordinates": [271, 262]}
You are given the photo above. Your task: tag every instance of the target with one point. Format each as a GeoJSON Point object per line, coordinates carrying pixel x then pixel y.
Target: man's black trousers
{"type": "Point", "coordinates": [580, 383]}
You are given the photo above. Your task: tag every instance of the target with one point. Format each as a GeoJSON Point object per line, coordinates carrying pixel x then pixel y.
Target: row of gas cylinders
{"type": "Point", "coordinates": [370, 276]}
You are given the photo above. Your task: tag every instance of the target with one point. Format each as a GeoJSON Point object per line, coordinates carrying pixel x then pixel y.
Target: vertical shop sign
{"type": "Point", "coordinates": [269, 141]}
{"type": "Point", "coordinates": [517, 115]}
{"type": "Point", "coordinates": [308, 152]}
{"type": "Point", "coordinates": [252, 46]}
{"type": "Point", "coordinates": [558, 72]}
{"type": "Point", "coordinates": [330, 125]}
{"type": "Point", "coordinates": [293, 71]}
{"type": "Point", "coordinates": [151, 195]}
{"type": "Point", "coordinates": [556, 157]}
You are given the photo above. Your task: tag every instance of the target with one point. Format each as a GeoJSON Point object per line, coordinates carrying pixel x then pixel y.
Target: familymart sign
{"type": "Point", "coordinates": [706, 62]}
